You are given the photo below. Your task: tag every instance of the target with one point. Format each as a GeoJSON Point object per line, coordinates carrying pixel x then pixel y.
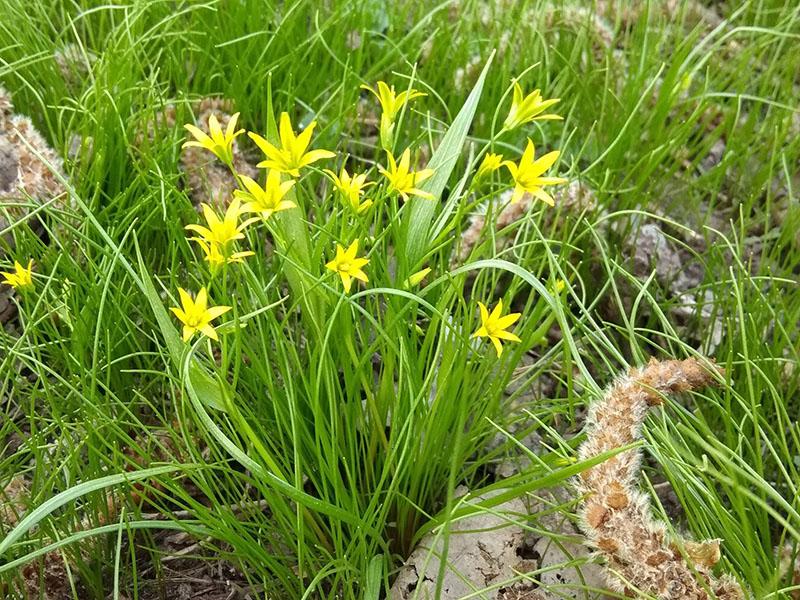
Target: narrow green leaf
{"type": "Point", "coordinates": [209, 390]}
{"type": "Point", "coordinates": [40, 512]}
{"type": "Point", "coordinates": [276, 480]}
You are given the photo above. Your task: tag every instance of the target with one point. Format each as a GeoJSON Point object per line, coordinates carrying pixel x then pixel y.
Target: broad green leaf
{"type": "Point", "coordinates": [372, 586]}
{"type": "Point", "coordinates": [419, 219]}
{"type": "Point", "coordinates": [294, 241]}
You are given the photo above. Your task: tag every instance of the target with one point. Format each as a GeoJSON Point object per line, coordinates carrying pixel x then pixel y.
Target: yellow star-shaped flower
{"type": "Point", "coordinates": [196, 315]}
{"type": "Point", "coordinates": [348, 266]}
{"type": "Point", "coordinates": [22, 278]}
{"type": "Point", "coordinates": [529, 108]}
{"type": "Point", "coordinates": [527, 174]}
{"type": "Point", "coordinates": [222, 231]}
{"type": "Point", "coordinates": [293, 154]}
{"type": "Point", "coordinates": [351, 188]}
{"type": "Point", "coordinates": [267, 200]}
{"type": "Point", "coordinates": [220, 144]}
{"type": "Point", "coordinates": [215, 257]}
{"type": "Point", "coordinates": [494, 326]}
{"type": "Point", "coordinates": [404, 181]}
{"type": "Point", "coordinates": [491, 162]}
{"type": "Point", "coordinates": [391, 103]}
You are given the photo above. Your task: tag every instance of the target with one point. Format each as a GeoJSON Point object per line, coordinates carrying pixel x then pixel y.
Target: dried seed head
{"type": "Point", "coordinates": [596, 515]}
{"type": "Point", "coordinates": [617, 496]}
{"type": "Point", "coordinates": [616, 516]}
{"type": "Point", "coordinates": [703, 554]}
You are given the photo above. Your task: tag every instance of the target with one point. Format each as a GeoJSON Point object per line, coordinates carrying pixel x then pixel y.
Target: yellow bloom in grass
{"type": "Point", "coordinates": [527, 174]}
{"type": "Point", "coordinates": [22, 277]}
{"type": "Point", "coordinates": [221, 144]}
{"type": "Point", "coordinates": [494, 326]}
{"type": "Point", "coordinates": [351, 188]}
{"type": "Point", "coordinates": [348, 266]}
{"type": "Point", "coordinates": [404, 181]}
{"type": "Point", "coordinates": [491, 162]}
{"type": "Point", "coordinates": [527, 109]}
{"type": "Point", "coordinates": [292, 155]}
{"type": "Point", "coordinates": [222, 231]}
{"type": "Point", "coordinates": [391, 104]}
{"type": "Point", "coordinates": [215, 257]}
{"type": "Point", "coordinates": [196, 315]}
{"type": "Point", "coordinates": [267, 200]}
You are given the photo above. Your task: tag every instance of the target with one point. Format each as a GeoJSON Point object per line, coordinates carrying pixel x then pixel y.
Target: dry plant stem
{"type": "Point", "coordinates": [616, 516]}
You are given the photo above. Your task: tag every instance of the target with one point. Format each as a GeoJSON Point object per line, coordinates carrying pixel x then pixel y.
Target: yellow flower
{"type": "Point", "coordinates": [216, 257]}
{"type": "Point", "coordinates": [222, 231]}
{"type": "Point", "coordinates": [527, 109]}
{"type": "Point", "coordinates": [347, 265]}
{"type": "Point", "coordinates": [527, 175]}
{"type": "Point", "coordinates": [22, 277]}
{"type": "Point", "coordinates": [491, 162]}
{"type": "Point", "coordinates": [221, 144]}
{"type": "Point", "coordinates": [292, 155]}
{"type": "Point", "coordinates": [267, 200]}
{"type": "Point", "coordinates": [196, 315]}
{"type": "Point", "coordinates": [402, 180]}
{"type": "Point", "coordinates": [494, 326]}
{"type": "Point", "coordinates": [351, 188]}
{"type": "Point", "coordinates": [391, 103]}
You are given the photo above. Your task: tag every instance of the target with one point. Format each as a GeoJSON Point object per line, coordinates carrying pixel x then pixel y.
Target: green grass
{"type": "Point", "coordinates": [354, 417]}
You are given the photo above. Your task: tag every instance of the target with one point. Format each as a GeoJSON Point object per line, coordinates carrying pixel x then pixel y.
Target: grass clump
{"type": "Point", "coordinates": [410, 216]}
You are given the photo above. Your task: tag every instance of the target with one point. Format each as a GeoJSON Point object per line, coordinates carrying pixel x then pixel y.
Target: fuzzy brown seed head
{"type": "Point", "coordinates": [596, 515]}
{"type": "Point", "coordinates": [703, 554]}
{"type": "Point", "coordinates": [657, 558]}
{"type": "Point", "coordinates": [608, 545]}
{"type": "Point", "coordinates": [616, 516]}
{"type": "Point", "coordinates": [617, 497]}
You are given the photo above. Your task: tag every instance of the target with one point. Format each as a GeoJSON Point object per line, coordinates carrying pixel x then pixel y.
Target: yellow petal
{"type": "Point", "coordinates": [286, 133]}
{"type": "Point", "coordinates": [352, 250]}
{"type": "Point", "coordinates": [216, 311]}
{"type": "Point", "coordinates": [529, 154]}
{"type": "Point", "coordinates": [508, 320]}
{"type": "Point", "coordinates": [506, 335]}
{"type": "Point", "coordinates": [186, 300]}
{"type": "Point", "coordinates": [543, 196]}
{"type": "Point", "coordinates": [346, 281]}
{"type": "Point", "coordinates": [315, 155]}
{"type": "Point", "coordinates": [263, 144]}
{"type": "Point", "coordinates": [497, 311]}
{"type": "Point", "coordinates": [209, 332]}
{"type": "Point", "coordinates": [484, 312]}
{"type": "Point", "coordinates": [545, 162]}
{"type": "Point", "coordinates": [201, 300]}
{"type": "Point", "coordinates": [303, 140]}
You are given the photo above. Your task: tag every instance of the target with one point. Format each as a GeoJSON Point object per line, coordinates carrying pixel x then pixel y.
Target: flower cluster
{"type": "Point", "coordinates": [288, 156]}
{"type": "Point", "coordinates": [528, 173]}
